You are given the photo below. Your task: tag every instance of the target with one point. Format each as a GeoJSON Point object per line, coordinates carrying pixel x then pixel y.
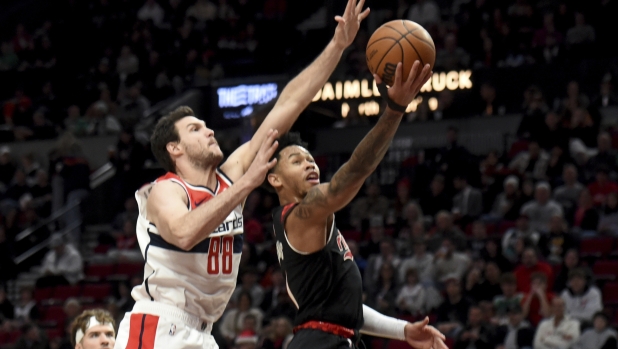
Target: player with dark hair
{"type": "Point", "coordinates": [190, 223]}
{"type": "Point", "coordinates": [323, 281]}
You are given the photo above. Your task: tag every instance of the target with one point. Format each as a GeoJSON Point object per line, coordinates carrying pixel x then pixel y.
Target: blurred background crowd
{"type": "Point", "coordinates": [507, 248]}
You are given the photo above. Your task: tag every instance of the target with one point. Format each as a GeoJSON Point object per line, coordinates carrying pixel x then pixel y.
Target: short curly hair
{"type": "Point", "coordinates": [82, 320]}
{"type": "Point", "coordinates": [165, 132]}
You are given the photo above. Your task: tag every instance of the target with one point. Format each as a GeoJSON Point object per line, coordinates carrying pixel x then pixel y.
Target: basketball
{"type": "Point", "coordinates": [399, 41]}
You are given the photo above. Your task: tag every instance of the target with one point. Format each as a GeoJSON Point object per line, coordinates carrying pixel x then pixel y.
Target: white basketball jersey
{"type": "Point", "coordinates": [199, 281]}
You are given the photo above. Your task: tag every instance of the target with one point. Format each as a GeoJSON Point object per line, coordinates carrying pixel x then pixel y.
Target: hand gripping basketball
{"type": "Point", "coordinates": [402, 92]}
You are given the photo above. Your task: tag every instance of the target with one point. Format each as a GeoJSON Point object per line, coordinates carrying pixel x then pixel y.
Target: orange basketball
{"type": "Point", "coordinates": [399, 41]}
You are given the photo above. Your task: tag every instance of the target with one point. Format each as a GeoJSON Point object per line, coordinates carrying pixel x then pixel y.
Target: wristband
{"type": "Point", "coordinates": [391, 104]}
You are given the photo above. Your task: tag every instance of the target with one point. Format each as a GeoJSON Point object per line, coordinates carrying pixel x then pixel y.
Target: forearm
{"type": "Point", "coordinates": [306, 85]}
{"type": "Point", "coordinates": [199, 223]}
{"type": "Point", "coordinates": [371, 150]}
{"type": "Point", "coordinates": [379, 325]}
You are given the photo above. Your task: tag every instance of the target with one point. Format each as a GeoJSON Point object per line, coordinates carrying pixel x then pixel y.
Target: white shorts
{"type": "Point", "coordinates": [153, 325]}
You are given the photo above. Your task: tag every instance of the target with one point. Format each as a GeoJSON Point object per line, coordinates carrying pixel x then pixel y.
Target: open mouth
{"type": "Point", "coordinates": [313, 177]}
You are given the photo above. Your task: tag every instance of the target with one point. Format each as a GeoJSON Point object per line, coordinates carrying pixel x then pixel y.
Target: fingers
{"type": "Point", "coordinates": [398, 73]}
{"type": "Point", "coordinates": [441, 344]}
{"type": "Point", "coordinates": [413, 73]}
{"type": "Point", "coordinates": [271, 164]}
{"type": "Point", "coordinates": [270, 144]}
{"type": "Point", "coordinates": [422, 78]}
{"type": "Point", "coordinates": [340, 19]}
{"type": "Point", "coordinates": [364, 14]}
{"type": "Point", "coordinates": [360, 6]}
{"type": "Point", "coordinates": [349, 8]}
{"type": "Point", "coordinates": [436, 333]}
{"type": "Point", "coordinates": [378, 79]}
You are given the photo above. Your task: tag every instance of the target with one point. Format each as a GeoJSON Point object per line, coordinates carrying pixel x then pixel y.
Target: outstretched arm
{"type": "Point", "coordinates": [325, 199]}
{"type": "Point", "coordinates": [418, 335]}
{"type": "Point", "coordinates": [299, 92]}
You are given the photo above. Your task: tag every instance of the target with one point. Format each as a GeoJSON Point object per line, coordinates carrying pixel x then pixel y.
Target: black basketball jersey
{"type": "Point", "coordinates": [325, 285]}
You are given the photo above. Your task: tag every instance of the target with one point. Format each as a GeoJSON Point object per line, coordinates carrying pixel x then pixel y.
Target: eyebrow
{"type": "Point", "coordinates": [293, 154]}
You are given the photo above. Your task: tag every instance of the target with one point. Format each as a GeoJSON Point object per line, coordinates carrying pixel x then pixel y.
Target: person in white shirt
{"type": "Point", "coordinates": [582, 301]}
{"type": "Point", "coordinates": [542, 208]}
{"type": "Point", "coordinates": [559, 331]}
{"type": "Point", "coordinates": [151, 11]}
{"type": "Point", "coordinates": [601, 336]}
{"type": "Point", "coordinates": [62, 265]}
{"type": "Point", "coordinates": [415, 297]}
{"type": "Point", "coordinates": [448, 263]}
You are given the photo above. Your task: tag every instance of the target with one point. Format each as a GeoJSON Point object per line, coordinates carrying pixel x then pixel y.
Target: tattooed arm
{"type": "Point", "coordinates": [306, 223]}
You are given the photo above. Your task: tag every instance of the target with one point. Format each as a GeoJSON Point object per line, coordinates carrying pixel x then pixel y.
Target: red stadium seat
{"type": "Point", "coordinates": [352, 235]}
{"type": "Point", "coordinates": [517, 148]}
{"type": "Point", "coordinates": [42, 294]}
{"type": "Point", "coordinates": [53, 317]}
{"type": "Point", "coordinates": [97, 272]}
{"type": "Point", "coordinates": [129, 269]}
{"type": "Point", "coordinates": [504, 226]}
{"type": "Point", "coordinates": [607, 270]}
{"type": "Point", "coordinates": [610, 293]}
{"type": "Point", "coordinates": [54, 333]}
{"type": "Point", "coordinates": [596, 247]}
{"type": "Point", "coordinates": [64, 292]}
{"type": "Point", "coordinates": [96, 292]}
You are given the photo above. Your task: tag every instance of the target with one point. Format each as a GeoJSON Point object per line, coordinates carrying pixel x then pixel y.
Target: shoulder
{"type": "Point", "coordinates": [166, 188]}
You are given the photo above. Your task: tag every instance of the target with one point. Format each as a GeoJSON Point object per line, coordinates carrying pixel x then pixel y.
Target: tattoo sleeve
{"type": "Point", "coordinates": [330, 197]}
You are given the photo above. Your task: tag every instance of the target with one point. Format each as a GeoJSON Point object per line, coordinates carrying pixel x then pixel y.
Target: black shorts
{"type": "Point", "coordinates": [316, 339]}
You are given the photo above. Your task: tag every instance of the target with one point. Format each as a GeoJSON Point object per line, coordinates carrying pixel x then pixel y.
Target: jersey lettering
{"type": "Point", "coordinates": [343, 246]}
{"type": "Point", "coordinates": [229, 225]}
{"type": "Point", "coordinates": [220, 255]}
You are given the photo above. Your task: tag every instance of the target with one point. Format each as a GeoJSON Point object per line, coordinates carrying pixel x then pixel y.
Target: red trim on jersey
{"type": "Point", "coordinates": [135, 330]}
{"type": "Point", "coordinates": [326, 327]}
{"type": "Point", "coordinates": [150, 331]}
{"type": "Point", "coordinates": [286, 210]}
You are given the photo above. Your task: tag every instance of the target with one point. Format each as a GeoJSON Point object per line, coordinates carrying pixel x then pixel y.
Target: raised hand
{"type": "Point", "coordinates": [421, 336]}
{"type": "Point", "coordinates": [349, 23]}
{"type": "Point", "coordinates": [404, 92]}
{"type": "Point", "coordinates": [262, 162]}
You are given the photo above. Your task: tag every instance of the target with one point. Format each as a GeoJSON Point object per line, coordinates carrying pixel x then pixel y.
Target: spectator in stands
{"type": "Point", "coordinates": [450, 263]}
{"type": "Point", "coordinates": [271, 296]}
{"type": "Point", "coordinates": [232, 322]}
{"type": "Point", "coordinates": [542, 208]}
{"type": "Point", "coordinates": [436, 199]}
{"type": "Point", "coordinates": [85, 333]}
{"type": "Point", "coordinates": [554, 245]}
{"type": "Point", "coordinates": [7, 168]}
{"type": "Point", "coordinates": [452, 314]}
{"type": "Point", "coordinates": [532, 163]}
{"type": "Point", "coordinates": [401, 202]}
{"type": "Point", "coordinates": [558, 331]}
{"type": "Point", "coordinates": [452, 159]}
{"type": "Point", "coordinates": [606, 97]}
{"type": "Point", "coordinates": [382, 295]}
{"type": "Point", "coordinates": [516, 332]}
{"type": "Point", "coordinates": [72, 308]}
{"type": "Point", "coordinates": [581, 34]}
{"type": "Point", "coordinates": [8, 59]}
{"type": "Point", "coordinates": [586, 217]}
{"type": "Point", "coordinates": [376, 235]}
{"type": "Point", "coordinates": [425, 13]}
{"type": "Point", "coordinates": [152, 11]}
{"type": "Point", "coordinates": [477, 243]}
{"type": "Point", "coordinates": [507, 204]}
{"type": "Point", "coordinates": [26, 309]}
{"type": "Point", "coordinates": [249, 283]}
{"type": "Point", "coordinates": [123, 300]}
{"type": "Point", "coordinates": [476, 333]}
{"type": "Point", "coordinates": [530, 264]}
{"type": "Point", "coordinates": [511, 238]}
{"type": "Point", "coordinates": [582, 299]}
{"type": "Point", "coordinates": [600, 188]}
{"type": "Point", "coordinates": [406, 226]}
{"type": "Point", "coordinates": [246, 339]}
{"type": "Point", "coordinates": [412, 297]}
{"type": "Point", "coordinates": [62, 265]}
{"type": "Point", "coordinates": [508, 299]}
{"type": "Point", "coordinates": [601, 336]}
{"type": "Point", "coordinates": [133, 106]}
{"type": "Point", "coordinates": [127, 63]}
{"type": "Point", "coordinates": [468, 202]}
{"type": "Point", "coordinates": [32, 338]}
{"type": "Point", "coordinates": [608, 222]}
{"type": "Point", "coordinates": [7, 266]}
{"type": "Point", "coordinates": [388, 255]}
{"type": "Point", "coordinates": [567, 194]}
{"type": "Point", "coordinates": [372, 204]}
{"type": "Point", "coordinates": [360, 261]}
{"type": "Point", "coordinates": [536, 303]}
{"type": "Point", "coordinates": [552, 134]}
{"type": "Point", "coordinates": [41, 195]}
{"type": "Point", "coordinates": [278, 334]}
{"type": "Point", "coordinates": [7, 310]}
{"type": "Point", "coordinates": [451, 57]}
{"type": "Point", "coordinates": [421, 261]}
{"type": "Point", "coordinates": [605, 157]}
{"type": "Point", "coordinates": [547, 40]}
{"type": "Point", "coordinates": [445, 229]}
{"type": "Point", "coordinates": [490, 105]}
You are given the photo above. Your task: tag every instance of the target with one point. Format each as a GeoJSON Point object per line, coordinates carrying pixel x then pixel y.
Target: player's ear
{"type": "Point", "coordinates": [274, 180]}
{"type": "Point", "coordinates": [174, 148]}
{"type": "Point", "coordinates": [78, 346]}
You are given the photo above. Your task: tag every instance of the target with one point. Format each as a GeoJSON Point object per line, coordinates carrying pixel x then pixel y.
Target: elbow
{"type": "Point", "coordinates": [185, 244]}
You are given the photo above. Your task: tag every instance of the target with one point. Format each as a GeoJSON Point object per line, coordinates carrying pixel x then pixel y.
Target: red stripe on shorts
{"type": "Point", "coordinates": [150, 332]}
{"type": "Point", "coordinates": [135, 330]}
